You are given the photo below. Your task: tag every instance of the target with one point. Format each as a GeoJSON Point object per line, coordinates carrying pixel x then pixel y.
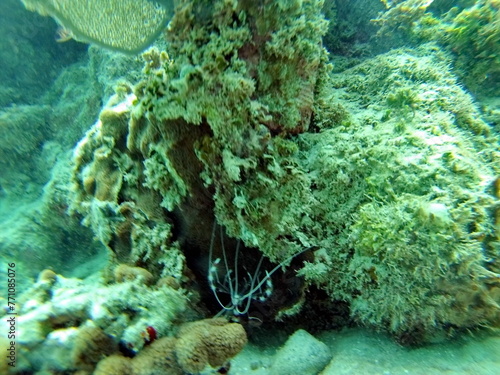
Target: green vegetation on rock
{"type": "Point", "coordinates": [386, 168]}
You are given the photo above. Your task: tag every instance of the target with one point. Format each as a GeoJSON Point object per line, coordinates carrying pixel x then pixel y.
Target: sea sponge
{"type": "Point", "coordinates": [123, 273]}
{"type": "Point", "coordinates": [114, 365]}
{"type": "Point", "coordinates": [157, 358]}
{"type": "Point", "coordinates": [208, 342]}
{"type": "Point", "coordinates": [91, 345]}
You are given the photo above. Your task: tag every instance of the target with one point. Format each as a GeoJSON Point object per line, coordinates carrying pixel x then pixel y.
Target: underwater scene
{"type": "Point", "coordinates": [249, 187]}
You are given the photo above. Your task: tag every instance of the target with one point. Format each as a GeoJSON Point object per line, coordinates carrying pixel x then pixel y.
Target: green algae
{"type": "Point", "coordinates": [386, 168]}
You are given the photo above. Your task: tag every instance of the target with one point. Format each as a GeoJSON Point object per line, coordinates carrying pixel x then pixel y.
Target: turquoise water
{"type": "Point", "coordinates": [249, 187]}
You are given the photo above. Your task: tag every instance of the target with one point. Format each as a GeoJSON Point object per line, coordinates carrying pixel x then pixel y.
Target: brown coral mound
{"type": "Point", "coordinates": [158, 358]}
{"type": "Point", "coordinates": [205, 342]}
{"type": "Point", "coordinates": [123, 273]}
{"type": "Point", "coordinates": [114, 365]}
{"type": "Point", "coordinates": [91, 345]}
{"type": "Point", "coordinates": [208, 342]}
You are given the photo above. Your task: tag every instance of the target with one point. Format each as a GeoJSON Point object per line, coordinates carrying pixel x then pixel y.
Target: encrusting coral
{"type": "Point", "coordinates": [80, 322]}
{"type": "Point", "coordinates": [208, 342]}
{"type": "Point", "coordinates": [123, 273]}
{"type": "Point", "coordinates": [114, 365]}
{"type": "Point", "coordinates": [91, 345]}
{"type": "Point", "coordinates": [159, 357]}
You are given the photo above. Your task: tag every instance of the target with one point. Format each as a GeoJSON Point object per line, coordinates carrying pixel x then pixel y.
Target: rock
{"type": "Point", "coordinates": [302, 354]}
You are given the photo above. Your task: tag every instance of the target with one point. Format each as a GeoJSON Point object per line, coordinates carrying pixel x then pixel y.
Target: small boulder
{"type": "Point", "coordinates": [302, 354]}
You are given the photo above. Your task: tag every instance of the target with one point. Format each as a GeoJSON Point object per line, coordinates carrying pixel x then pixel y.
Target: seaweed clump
{"type": "Point", "coordinates": [470, 30]}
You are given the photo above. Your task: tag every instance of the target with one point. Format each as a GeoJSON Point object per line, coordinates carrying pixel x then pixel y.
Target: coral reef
{"type": "Point", "coordinates": [74, 324]}
{"type": "Point", "coordinates": [404, 201]}
{"type": "Point", "coordinates": [35, 143]}
{"type": "Point", "coordinates": [87, 327]}
{"type": "Point", "coordinates": [207, 118]}
{"type": "Point", "coordinates": [209, 342]}
{"type": "Point", "coordinates": [380, 178]}
{"type": "Point", "coordinates": [386, 169]}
